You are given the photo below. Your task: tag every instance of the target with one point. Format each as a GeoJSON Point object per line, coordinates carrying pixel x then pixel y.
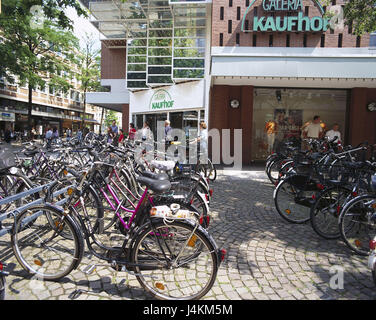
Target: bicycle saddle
{"type": "Point", "coordinates": [157, 186]}
{"type": "Point", "coordinates": [31, 153]}
{"type": "Point", "coordinates": [155, 176]}
{"type": "Point", "coordinates": [163, 165]}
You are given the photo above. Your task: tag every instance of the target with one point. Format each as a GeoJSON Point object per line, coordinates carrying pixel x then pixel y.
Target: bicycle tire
{"type": "Point", "coordinates": [40, 261]}
{"type": "Point", "coordinates": [142, 252]}
{"type": "Point", "coordinates": [326, 210]}
{"type": "Point", "coordinates": [284, 197]}
{"type": "Point", "coordinates": [349, 234]}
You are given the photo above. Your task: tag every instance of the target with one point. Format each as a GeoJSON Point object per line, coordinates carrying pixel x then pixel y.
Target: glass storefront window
{"type": "Point", "coordinates": [280, 114]}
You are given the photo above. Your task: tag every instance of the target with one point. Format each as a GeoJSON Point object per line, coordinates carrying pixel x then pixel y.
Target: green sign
{"type": "Point", "coordinates": [161, 99]}
{"type": "Point", "coordinates": [287, 23]}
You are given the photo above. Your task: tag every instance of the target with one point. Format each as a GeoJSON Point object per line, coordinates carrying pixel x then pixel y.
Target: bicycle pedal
{"type": "Point", "coordinates": [89, 269]}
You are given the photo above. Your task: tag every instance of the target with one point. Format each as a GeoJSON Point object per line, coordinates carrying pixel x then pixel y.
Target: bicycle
{"type": "Point", "coordinates": [157, 250]}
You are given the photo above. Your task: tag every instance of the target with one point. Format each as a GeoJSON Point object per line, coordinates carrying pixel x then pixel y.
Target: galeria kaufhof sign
{"type": "Point", "coordinates": [291, 23]}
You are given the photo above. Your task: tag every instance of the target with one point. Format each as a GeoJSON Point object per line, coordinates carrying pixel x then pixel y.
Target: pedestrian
{"type": "Point", "coordinates": [110, 135]}
{"type": "Point", "coordinates": [167, 133]}
{"type": "Point", "coordinates": [334, 132]}
{"type": "Point", "coordinates": [313, 129]}
{"type": "Point", "coordinates": [203, 141]}
{"type": "Point", "coordinates": [55, 134]}
{"type": "Point", "coordinates": [146, 131]}
{"type": "Point", "coordinates": [79, 135]}
{"type": "Point", "coordinates": [33, 133]}
{"type": "Point", "coordinates": [49, 134]}
{"type": "Point", "coordinates": [69, 134]}
{"type": "Point", "coordinates": [7, 136]}
{"type": "Point", "coordinates": [132, 131]}
{"type": "Point", "coordinates": [121, 136]}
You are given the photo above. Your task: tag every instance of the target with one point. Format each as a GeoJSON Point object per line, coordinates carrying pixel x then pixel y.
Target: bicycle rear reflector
{"type": "Point", "coordinates": [320, 186]}
{"type": "Point", "coordinates": [192, 241]}
{"type": "Point", "coordinates": [372, 244]}
{"type": "Point", "coordinates": [159, 285]}
{"type": "Point", "coordinates": [38, 262]}
{"type": "Point", "coordinates": [1, 266]}
{"type": "Point", "coordinates": [211, 192]}
{"type": "Point", "coordinates": [223, 254]}
{"type": "Point", "coordinates": [288, 211]}
{"type": "Point", "coordinates": [357, 243]}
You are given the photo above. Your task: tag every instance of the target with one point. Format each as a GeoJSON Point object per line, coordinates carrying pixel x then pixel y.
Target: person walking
{"type": "Point", "coordinates": [314, 129]}
{"type": "Point", "coordinates": [168, 133]}
{"type": "Point", "coordinates": [7, 136]}
{"type": "Point", "coordinates": [203, 142]}
{"type": "Point", "coordinates": [132, 131]}
{"type": "Point", "coordinates": [69, 134]}
{"type": "Point", "coordinates": [121, 135]}
{"type": "Point", "coordinates": [146, 131]}
{"type": "Point", "coordinates": [55, 133]}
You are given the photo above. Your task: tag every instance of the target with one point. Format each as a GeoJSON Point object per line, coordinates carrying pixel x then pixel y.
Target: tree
{"type": "Point", "coordinates": [35, 51]}
{"type": "Point", "coordinates": [361, 14]}
{"type": "Point", "coordinates": [110, 117]}
{"type": "Point", "coordinates": [88, 69]}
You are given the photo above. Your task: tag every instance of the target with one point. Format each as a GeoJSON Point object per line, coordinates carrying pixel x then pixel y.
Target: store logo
{"type": "Point", "coordinates": [161, 99]}
{"type": "Point", "coordinates": [286, 23]}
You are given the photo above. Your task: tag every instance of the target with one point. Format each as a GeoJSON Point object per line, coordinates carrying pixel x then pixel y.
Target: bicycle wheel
{"type": "Point", "coordinates": [39, 245]}
{"type": "Point", "coordinates": [292, 202]}
{"type": "Point", "coordinates": [273, 170]}
{"type": "Point", "coordinates": [211, 171]}
{"type": "Point", "coordinates": [325, 212]}
{"type": "Point", "coordinates": [357, 223]}
{"type": "Point", "coordinates": [175, 261]}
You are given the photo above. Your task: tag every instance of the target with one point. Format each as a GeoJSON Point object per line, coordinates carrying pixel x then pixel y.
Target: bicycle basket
{"type": "Point", "coordinates": [7, 159]}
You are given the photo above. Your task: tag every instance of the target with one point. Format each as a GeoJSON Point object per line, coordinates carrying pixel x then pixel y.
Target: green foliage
{"type": "Point", "coordinates": [361, 14]}
{"type": "Point", "coordinates": [110, 117]}
{"type": "Point", "coordinates": [35, 52]}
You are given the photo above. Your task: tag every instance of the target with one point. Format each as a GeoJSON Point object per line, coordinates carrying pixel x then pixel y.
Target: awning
{"type": "Point", "coordinates": [295, 63]}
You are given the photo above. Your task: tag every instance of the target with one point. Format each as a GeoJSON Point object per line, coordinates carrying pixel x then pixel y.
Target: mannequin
{"type": "Point", "coordinates": [270, 129]}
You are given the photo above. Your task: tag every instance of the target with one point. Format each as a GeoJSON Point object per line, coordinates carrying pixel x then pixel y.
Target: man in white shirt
{"type": "Point", "coordinates": [314, 129]}
{"type": "Point", "coordinates": [334, 132]}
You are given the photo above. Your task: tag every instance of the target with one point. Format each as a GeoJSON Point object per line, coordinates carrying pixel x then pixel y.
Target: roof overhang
{"type": "Point", "coordinates": [265, 65]}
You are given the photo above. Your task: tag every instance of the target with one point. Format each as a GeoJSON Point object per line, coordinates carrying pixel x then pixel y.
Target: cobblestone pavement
{"type": "Point", "coordinates": [268, 258]}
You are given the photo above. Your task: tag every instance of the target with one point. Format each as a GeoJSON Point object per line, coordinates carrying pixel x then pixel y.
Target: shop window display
{"type": "Point", "coordinates": [281, 114]}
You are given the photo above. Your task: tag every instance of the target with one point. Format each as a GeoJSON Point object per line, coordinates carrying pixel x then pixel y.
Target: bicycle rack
{"type": "Point", "coordinates": [13, 213]}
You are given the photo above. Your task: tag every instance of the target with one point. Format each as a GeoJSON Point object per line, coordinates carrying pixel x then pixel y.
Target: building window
{"type": "Point", "coordinates": [238, 13]}
{"type": "Point", "coordinates": [222, 13]}
{"type": "Point", "coordinates": [246, 25]}
{"type": "Point", "coordinates": [322, 43]}
{"type": "Point", "coordinates": [229, 26]}
{"type": "Point", "coordinates": [255, 11]}
{"type": "Point", "coordinates": [349, 31]}
{"type": "Point", "coordinates": [230, 3]}
{"type": "Point", "coordinates": [247, 3]}
{"type": "Point", "coordinates": [306, 11]}
{"type": "Point", "coordinates": [340, 40]}
{"type": "Point", "coordinates": [334, 2]}
{"type": "Point", "coordinates": [358, 41]}
{"type": "Point", "coordinates": [271, 40]}
{"type": "Point", "coordinates": [238, 38]}
{"type": "Point", "coordinates": [305, 41]}
{"type": "Point", "coordinates": [287, 40]}
{"type": "Point", "coordinates": [221, 39]}
{"type": "Point", "coordinates": [254, 40]}
{"type": "Point", "coordinates": [372, 40]}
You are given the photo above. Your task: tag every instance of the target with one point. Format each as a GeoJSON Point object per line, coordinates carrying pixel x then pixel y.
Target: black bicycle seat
{"type": "Point", "coordinates": [31, 153]}
{"type": "Point", "coordinates": [155, 176]}
{"type": "Point", "coordinates": [157, 186]}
